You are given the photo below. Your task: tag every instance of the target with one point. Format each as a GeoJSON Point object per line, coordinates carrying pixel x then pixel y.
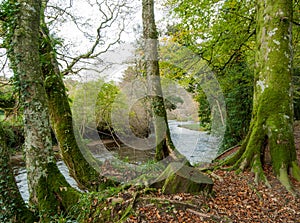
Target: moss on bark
{"type": "Point", "coordinates": [63, 196]}
{"type": "Point", "coordinates": [164, 144]}
{"type": "Point", "coordinates": [70, 143]}
{"type": "Point", "coordinates": [43, 175]}
{"type": "Point", "coordinates": [271, 129]}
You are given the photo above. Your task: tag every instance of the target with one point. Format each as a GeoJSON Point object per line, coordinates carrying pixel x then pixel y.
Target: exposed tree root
{"type": "Point", "coordinates": [130, 206]}
{"type": "Point", "coordinates": [259, 172]}
{"type": "Point", "coordinates": [285, 180]}
{"type": "Point", "coordinates": [169, 201]}
{"type": "Point", "coordinates": [295, 170]}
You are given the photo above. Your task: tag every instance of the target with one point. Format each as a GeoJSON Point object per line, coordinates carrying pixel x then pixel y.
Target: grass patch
{"type": "Point", "coordinates": [192, 126]}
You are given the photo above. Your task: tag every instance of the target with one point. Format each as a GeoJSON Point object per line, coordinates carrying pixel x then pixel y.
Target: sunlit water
{"type": "Point", "coordinates": [198, 147]}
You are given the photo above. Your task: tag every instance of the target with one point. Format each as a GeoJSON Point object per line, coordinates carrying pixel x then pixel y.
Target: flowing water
{"type": "Point", "coordinates": [198, 147]}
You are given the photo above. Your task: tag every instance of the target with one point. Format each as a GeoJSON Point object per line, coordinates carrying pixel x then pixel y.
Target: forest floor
{"type": "Point", "coordinates": [236, 198]}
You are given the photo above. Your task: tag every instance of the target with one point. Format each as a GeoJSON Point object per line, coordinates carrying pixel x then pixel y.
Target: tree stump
{"type": "Point", "coordinates": [179, 178]}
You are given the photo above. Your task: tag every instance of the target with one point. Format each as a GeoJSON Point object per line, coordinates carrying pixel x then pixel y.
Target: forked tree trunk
{"type": "Point", "coordinates": [48, 189]}
{"type": "Point", "coordinates": [270, 138]}
{"type": "Point", "coordinates": [76, 156]}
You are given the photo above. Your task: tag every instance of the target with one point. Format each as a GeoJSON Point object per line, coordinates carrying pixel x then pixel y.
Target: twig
{"type": "Point", "coordinates": [198, 213]}
{"type": "Point", "coordinates": [130, 207]}
{"type": "Point", "coordinates": [171, 201]}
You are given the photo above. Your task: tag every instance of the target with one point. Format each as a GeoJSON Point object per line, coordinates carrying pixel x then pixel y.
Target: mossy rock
{"type": "Point", "coordinates": [179, 178]}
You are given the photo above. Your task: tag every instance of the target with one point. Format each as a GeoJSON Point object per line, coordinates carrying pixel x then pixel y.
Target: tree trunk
{"type": "Point", "coordinates": [164, 145]}
{"type": "Point", "coordinates": [75, 156]}
{"type": "Point", "coordinates": [175, 181]}
{"type": "Point", "coordinates": [48, 189]}
{"type": "Point", "coordinates": [270, 138]}
{"type": "Point", "coordinates": [13, 207]}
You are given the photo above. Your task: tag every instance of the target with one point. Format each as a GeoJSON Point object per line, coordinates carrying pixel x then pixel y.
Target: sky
{"type": "Point", "coordinates": [78, 43]}
{"type": "Point", "coordinates": [120, 54]}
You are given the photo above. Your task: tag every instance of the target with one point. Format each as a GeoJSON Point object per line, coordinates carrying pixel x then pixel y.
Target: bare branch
{"type": "Point", "coordinates": [110, 14]}
{"type": "Point", "coordinates": [296, 23]}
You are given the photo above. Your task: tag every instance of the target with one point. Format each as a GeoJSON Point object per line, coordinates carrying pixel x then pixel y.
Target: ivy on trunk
{"type": "Point", "coordinates": [49, 191]}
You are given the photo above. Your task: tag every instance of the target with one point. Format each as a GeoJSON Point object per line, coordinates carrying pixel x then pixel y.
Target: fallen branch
{"type": "Point", "coordinates": [198, 213]}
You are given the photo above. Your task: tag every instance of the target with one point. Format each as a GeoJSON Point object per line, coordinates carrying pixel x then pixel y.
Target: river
{"type": "Point", "coordinates": [198, 147]}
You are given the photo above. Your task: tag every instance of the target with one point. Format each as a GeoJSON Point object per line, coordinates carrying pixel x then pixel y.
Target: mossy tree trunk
{"type": "Point", "coordinates": [164, 145]}
{"type": "Point", "coordinates": [270, 138]}
{"type": "Point", "coordinates": [70, 144]}
{"type": "Point", "coordinates": [48, 189]}
{"type": "Point", "coordinates": [13, 207]}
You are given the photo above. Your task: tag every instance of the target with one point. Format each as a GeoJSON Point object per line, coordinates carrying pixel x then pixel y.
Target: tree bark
{"type": "Point", "coordinates": [164, 145]}
{"type": "Point", "coordinates": [270, 139]}
{"type": "Point", "coordinates": [48, 189]}
{"type": "Point", "coordinates": [174, 182]}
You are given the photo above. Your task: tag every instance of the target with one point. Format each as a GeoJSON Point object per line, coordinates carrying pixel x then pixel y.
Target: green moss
{"type": "Point", "coordinates": [284, 178]}
{"type": "Point", "coordinates": [81, 164]}
{"type": "Point", "coordinates": [54, 193]}
{"type": "Point", "coordinates": [170, 186]}
{"type": "Point", "coordinates": [103, 207]}
{"type": "Point", "coordinates": [295, 170]}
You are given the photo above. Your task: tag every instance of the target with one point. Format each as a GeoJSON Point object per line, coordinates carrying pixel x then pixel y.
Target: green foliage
{"type": "Point", "coordinates": [104, 105]}
{"type": "Point", "coordinates": [12, 206]}
{"type": "Point", "coordinates": [8, 17]}
{"type": "Point", "coordinates": [84, 98]}
{"type": "Point", "coordinates": [12, 119]}
{"type": "Point", "coordinates": [7, 100]}
{"type": "Point", "coordinates": [9, 10]}
{"type": "Point", "coordinates": [222, 33]}
{"type": "Point", "coordinates": [14, 136]}
{"type": "Point", "coordinates": [238, 91]}
{"type": "Point", "coordinates": [217, 31]}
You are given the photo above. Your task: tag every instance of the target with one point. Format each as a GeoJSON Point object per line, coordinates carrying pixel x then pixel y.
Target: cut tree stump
{"type": "Point", "coordinates": [179, 178]}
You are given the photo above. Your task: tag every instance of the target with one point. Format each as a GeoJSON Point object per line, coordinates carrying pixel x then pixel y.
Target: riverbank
{"type": "Point", "coordinates": [192, 126]}
{"type": "Point", "coordinates": [236, 198]}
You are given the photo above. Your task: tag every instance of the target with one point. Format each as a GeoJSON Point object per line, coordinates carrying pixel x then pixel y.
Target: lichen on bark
{"type": "Point", "coordinates": [40, 162]}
